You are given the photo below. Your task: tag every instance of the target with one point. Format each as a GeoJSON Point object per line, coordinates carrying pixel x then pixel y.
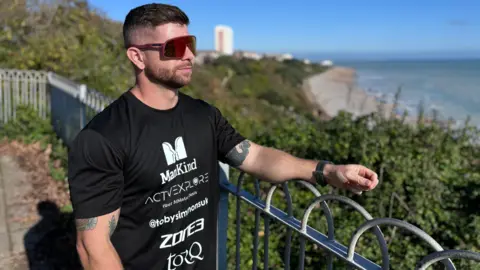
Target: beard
{"type": "Point", "coordinates": [167, 77]}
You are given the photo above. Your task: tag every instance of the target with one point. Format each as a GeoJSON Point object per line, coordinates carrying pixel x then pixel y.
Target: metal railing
{"type": "Point", "coordinates": [22, 87]}
{"type": "Point", "coordinates": [70, 106]}
{"type": "Point", "coordinates": [345, 253]}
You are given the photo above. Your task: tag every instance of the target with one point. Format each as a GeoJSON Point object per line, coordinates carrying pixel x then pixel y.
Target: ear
{"type": "Point", "coordinates": [136, 57]}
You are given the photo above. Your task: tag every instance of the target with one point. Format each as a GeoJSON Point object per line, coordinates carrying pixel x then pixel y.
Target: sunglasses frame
{"type": "Point", "coordinates": [161, 46]}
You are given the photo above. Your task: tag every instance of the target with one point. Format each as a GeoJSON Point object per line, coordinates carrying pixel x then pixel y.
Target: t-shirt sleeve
{"type": "Point", "coordinates": [226, 135]}
{"type": "Point", "coordinates": [95, 175]}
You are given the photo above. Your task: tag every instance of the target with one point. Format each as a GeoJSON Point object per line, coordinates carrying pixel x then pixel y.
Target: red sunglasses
{"type": "Point", "coordinates": [174, 48]}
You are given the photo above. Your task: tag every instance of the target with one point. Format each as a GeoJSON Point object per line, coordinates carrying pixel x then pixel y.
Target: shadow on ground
{"type": "Point", "coordinates": [50, 244]}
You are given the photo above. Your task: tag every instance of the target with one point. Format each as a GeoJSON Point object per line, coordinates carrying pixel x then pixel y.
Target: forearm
{"type": "Point", "coordinates": [96, 256]}
{"type": "Point", "coordinates": [94, 247]}
{"type": "Point", "coordinates": [277, 166]}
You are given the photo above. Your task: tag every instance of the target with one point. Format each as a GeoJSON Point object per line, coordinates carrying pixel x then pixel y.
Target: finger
{"type": "Point", "coordinates": [355, 186]}
{"type": "Point", "coordinates": [367, 173]}
{"type": "Point", "coordinates": [355, 178]}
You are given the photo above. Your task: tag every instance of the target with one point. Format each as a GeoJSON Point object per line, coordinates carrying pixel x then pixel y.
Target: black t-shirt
{"type": "Point", "coordinates": [160, 167]}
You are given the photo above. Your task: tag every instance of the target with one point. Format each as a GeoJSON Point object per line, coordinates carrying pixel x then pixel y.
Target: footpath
{"type": "Point", "coordinates": [13, 225]}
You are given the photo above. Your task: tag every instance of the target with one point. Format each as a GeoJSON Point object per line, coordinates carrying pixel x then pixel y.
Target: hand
{"type": "Point", "coordinates": [355, 178]}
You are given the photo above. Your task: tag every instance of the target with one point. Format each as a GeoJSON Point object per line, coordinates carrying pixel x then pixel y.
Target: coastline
{"type": "Point", "coordinates": [336, 90]}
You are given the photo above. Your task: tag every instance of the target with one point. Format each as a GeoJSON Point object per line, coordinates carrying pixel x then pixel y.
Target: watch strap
{"type": "Point", "coordinates": [318, 173]}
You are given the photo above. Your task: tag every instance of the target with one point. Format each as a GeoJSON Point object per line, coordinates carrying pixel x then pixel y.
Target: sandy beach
{"type": "Point", "coordinates": [336, 90]}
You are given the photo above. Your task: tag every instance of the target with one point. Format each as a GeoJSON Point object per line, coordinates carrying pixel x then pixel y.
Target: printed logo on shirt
{"type": "Point", "coordinates": [155, 223]}
{"type": "Point", "coordinates": [178, 189]}
{"type": "Point", "coordinates": [188, 256]}
{"type": "Point", "coordinates": [173, 239]}
{"type": "Point", "coordinates": [174, 154]}
{"type": "Point", "coordinates": [180, 169]}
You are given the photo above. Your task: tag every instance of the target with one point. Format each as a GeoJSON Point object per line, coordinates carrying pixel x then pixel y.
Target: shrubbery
{"type": "Point", "coordinates": [28, 127]}
{"type": "Point", "coordinates": [429, 176]}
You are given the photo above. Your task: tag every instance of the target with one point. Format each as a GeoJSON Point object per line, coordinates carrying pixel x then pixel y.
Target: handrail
{"type": "Point", "coordinates": [346, 253]}
{"type": "Point", "coordinates": [311, 234]}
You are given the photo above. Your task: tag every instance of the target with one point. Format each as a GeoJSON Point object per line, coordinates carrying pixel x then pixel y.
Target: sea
{"type": "Point", "coordinates": [451, 87]}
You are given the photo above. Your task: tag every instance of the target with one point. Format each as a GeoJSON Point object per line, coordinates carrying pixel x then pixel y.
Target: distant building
{"type": "Point", "coordinates": [224, 39]}
{"type": "Point", "coordinates": [280, 57]}
{"type": "Point", "coordinates": [248, 55]}
{"type": "Point", "coordinates": [327, 63]}
{"type": "Point", "coordinates": [204, 56]}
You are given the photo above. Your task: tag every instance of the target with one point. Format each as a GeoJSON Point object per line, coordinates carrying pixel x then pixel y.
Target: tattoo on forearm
{"type": "Point", "coordinates": [86, 224]}
{"type": "Point", "coordinates": [112, 224]}
{"type": "Point", "coordinates": [237, 155]}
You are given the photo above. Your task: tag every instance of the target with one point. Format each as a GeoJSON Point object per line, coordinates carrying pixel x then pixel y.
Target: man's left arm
{"type": "Point", "coordinates": [276, 166]}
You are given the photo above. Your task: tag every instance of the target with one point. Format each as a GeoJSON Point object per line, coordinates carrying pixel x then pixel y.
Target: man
{"type": "Point", "coordinates": [143, 174]}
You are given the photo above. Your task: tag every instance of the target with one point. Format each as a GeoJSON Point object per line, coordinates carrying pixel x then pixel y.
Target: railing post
{"type": "Point", "coordinates": [222, 223]}
{"type": "Point", "coordinates": [82, 96]}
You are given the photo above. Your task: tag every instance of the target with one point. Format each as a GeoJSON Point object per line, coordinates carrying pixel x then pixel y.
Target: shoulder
{"type": "Point", "coordinates": [109, 126]}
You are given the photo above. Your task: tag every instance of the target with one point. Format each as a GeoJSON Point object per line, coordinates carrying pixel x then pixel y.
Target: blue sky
{"type": "Point", "coordinates": [346, 27]}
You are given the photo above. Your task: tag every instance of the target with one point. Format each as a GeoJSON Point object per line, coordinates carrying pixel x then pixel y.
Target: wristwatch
{"type": "Point", "coordinates": [318, 173]}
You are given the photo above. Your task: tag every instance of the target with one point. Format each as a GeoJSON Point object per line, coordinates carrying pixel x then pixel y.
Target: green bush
{"type": "Point", "coordinates": [28, 127]}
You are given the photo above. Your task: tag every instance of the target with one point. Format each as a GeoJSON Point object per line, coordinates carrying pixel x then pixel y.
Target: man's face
{"type": "Point", "coordinates": [173, 73]}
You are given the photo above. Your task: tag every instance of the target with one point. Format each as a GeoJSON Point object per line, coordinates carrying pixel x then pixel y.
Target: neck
{"type": "Point", "coordinates": [156, 96]}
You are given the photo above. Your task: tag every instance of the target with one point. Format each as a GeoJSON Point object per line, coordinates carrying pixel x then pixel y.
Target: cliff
{"type": "Point", "coordinates": [336, 90]}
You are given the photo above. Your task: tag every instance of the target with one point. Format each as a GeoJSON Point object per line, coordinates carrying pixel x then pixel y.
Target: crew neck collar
{"type": "Point", "coordinates": [132, 97]}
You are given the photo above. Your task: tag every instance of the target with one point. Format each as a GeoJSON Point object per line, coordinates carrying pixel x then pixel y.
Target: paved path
{"type": "Point", "coordinates": [13, 186]}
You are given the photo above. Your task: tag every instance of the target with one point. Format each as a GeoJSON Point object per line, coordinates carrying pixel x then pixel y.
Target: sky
{"type": "Point", "coordinates": [436, 28]}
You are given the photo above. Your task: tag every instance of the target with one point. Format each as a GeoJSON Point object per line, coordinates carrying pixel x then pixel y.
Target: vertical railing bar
{"type": "Point", "coordinates": [257, 228]}
{"type": "Point", "coordinates": [24, 90]}
{"type": "Point", "coordinates": [19, 89]}
{"type": "Point", "coordinates": [237, 227]}
{"type": "Point", "coordinates": [330, 261]}
{"type": "Point", "coordinates": [44, 98]}
{"type": "Point", "coordinates": [30, 90]}
{"type": "Point", "coordinates": [14, 95]}
{"type": "Point", "coordinates": [40, 95]}
{"type": "Point", "coordinates": [48, 97]}
{"type": "Point", "coordinates": [301, 259]}
{"type": "Point", "coordinates": [266, 240]}
{"type": "Point", "coordinates": [288, 244]}
{"type": "Point", "coordinates": [222, 222]}
{"type": "Point", "coordinates": [34, 93]}
{"type": "Point", "coordinates": [7, 99]}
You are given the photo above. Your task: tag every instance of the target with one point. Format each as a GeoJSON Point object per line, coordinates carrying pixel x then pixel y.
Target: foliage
{"type": "Point", "coordinates": [28, 127]}
{"type": "Point", "coordinates": [429, 174]}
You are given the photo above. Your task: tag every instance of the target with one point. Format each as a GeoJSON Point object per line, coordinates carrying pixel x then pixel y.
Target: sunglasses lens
{"type": "Point", "coordinates": [176, 48]}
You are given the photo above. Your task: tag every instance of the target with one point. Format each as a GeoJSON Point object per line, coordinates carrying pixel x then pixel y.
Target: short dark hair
{"type": "Point", "coordinates": [151, 16]}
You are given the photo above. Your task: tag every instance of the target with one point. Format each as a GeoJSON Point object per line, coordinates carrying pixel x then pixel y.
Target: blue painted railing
{"type": "Point", "coordinates": [72, 105]}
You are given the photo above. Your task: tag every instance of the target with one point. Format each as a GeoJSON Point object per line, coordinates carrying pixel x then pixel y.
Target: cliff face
{"type": "Point", "coordinates": [336, 90]}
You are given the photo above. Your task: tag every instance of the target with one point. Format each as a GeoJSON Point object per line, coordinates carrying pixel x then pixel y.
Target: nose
{"type": "Point", "coordinates": [188, 55]}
